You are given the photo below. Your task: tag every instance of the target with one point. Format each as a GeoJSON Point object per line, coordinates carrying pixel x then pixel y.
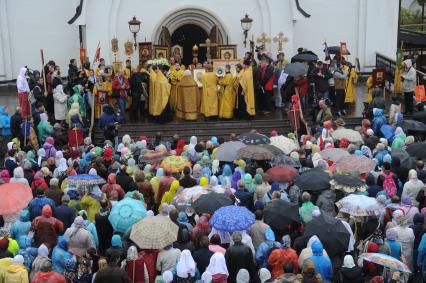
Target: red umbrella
{"type": "Point", "coordinates": [282, 174]}
{"type": "Point", "coordinates": [14, 197]}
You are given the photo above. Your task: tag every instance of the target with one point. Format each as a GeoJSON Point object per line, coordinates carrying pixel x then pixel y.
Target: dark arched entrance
{"type": "Point", "coordinates": [187, 36]}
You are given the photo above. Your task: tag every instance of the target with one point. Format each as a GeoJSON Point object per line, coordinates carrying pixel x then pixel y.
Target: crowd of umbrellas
{"type": "Point", "coordinates": [155, 232]}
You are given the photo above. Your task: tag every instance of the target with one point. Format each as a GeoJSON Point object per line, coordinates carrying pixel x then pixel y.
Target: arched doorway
{"type": "Point", "coordinates": [187, 36]}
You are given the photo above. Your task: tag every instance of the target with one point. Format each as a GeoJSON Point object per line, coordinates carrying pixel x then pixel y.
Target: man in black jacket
{"type": "Point", "coordinates": [202, 255]}
{"type": "Point", "coordinates": [187, 181]}
{"type": "Point", "coordinates": [39, 92]}
{"type": "Point", "coordinates": [72, 74]}
{"type": "Point", "coordinates": [102, 224]}
{"type": "Point", "coordinates": [239, 256]}
{"type": "Point", "coordinates": [139, 85]}
{"type": "Point", "coordinates": [16, 123]}
{"type": "Point", "coordinates": [264, 92]}
{"type": "Point", "coordinates": [125, 181]}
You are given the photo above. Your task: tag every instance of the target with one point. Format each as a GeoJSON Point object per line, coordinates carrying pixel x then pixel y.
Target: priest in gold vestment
{"type": "Point", "coordinates": [161, 93]}
{"type": "Point", "coordinates": [227, 94]}
{"type": "Point", "coordinates": [245, 92]}
{"type": "Point", "coordinates": [152, 79]}
{"type": "Point", "coordinates": [187, 93]}
{"type": "Point", "coordinates": [176, 74]}
{"type": "Point", "coordinates": [209, 101]}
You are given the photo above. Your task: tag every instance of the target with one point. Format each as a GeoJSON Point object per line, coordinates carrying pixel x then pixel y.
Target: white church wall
{"type": "Point", "coordinates": [33, 25]}
{"type": "Point", "coordinates": [268, 16]}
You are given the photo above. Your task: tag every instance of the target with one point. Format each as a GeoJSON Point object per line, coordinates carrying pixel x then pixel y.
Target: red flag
{"type": "Point", "coordinates": [83, 56]}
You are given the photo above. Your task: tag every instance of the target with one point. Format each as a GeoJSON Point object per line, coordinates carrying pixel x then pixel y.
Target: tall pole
{"type": "Point", "coordinates": [399, 24]}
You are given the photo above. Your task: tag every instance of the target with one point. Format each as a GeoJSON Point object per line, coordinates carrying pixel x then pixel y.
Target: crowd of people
{"type": "Point", "coordinates": [66, 234]}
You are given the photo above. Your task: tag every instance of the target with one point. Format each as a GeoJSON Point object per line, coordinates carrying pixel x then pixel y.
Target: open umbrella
{"type": "Point", "coordinates": [211, 202]}
{"type": "Point", "coordinates": [352, 135]}
{"type": "Point", "coordinates": [186, 197]}
{"type": "Point", "coordinates": [280, 213]}
{"type": "Point", "coordinates": [285, 144]}
{"type": "Point", "coordinates": [228, 151]}
{"type": "Point", "coordinates": [417, 150]}
{"type": "Point", "coordinates": [14, 197]}
{"type": "Point", "coordinates": [232, 218]}
{"type": "Point", "coordinates": [335, 50]}
{"type": "Point", "coordinates": [296, 69]}
{"type": "Point", "coordinates": [259, 152]}
{"type": "Point", "coordinates": [84, 180]}
{"type": "Point", "coordinates": [304, 57]}
{"type": "Point", "coordinates": [154, 232]}
{"type": "Point", "coordinates": [175, 163]}
{"type": "Point", "coordinates": [348, 183]}
{"type": "Point", "coordinates": [333, 234]}
{"type": "Point", "coordinates": [313, 180]}
{"type": "Point", "coordinates": [386, 261]}
{"type": "Point", "coordinates": [334, 154]}
{"type": "Point", "coordinates": [406, 161]}
{"type": "Point", "coordinates": [125, 213]}
{"type": "Point", "coordinates": [254, 139]}
{"type": "Point", "coordinates": [358, 205]}
{"type": "Point", "coordinates": [359, 164]}
{"type": "Point", "coordinates": [282, 174]}
{"type": "Point", "coordinates": [412, 126]}
{"type": "Point", "coordinates": [284, 160]}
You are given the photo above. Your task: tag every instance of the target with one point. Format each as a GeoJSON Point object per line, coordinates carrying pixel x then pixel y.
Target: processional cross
{"type": "Point", "coordinates": [280, 38]}
{"type": "Point", "coordinates": [263, 38]}
{"type": "Point", "coordinates": [208, 44]}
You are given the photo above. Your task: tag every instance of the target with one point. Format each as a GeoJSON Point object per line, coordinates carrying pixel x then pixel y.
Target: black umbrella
{"type": "Point", "coordinates": [280, 213]}
{"type": "Point", "coordinates": [254, 139]}
{"type": "Point", "coordinates": [302, 57]}
{"type": "Point", "coordinates": [406, 162]}
{"type": "Point", "coordinates": [348, 183]}
{"type": "Point", "coordinates": [313, 180]}
{"type": "Point", "coordinates": [209, 203]}
{"type": "Point", "coordinates": [281, 160]}
{"type": "Point", "coordinates": [335, 50]}
{"type": "Point", "coordinates": [412, 126]}
{"type": "Point", "coordinates": [296, 69]}
{"type": "Point", "coordinates": [333, 234]}
{"type": "Point", "coordinates": [417, 150]}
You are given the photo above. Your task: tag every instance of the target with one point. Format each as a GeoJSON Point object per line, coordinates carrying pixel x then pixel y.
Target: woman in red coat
{"type": "Point", "coordinates": [120, 87]}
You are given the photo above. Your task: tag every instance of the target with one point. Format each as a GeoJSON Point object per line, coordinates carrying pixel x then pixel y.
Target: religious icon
{"type": "Point", "coordinates": [128, 48]}
{"type": "Point", "coordinates": [145, 51]}
{"type": "Point", "coordinates": [114, 45]}
{"type": "Point", "coordinates": [343, 49]}
{"type": "Point", "coordinates": [161, 52]}
{"type": "Point", "coordinates": [227, 52]}
{"type": "Point", "coordinates": [379, 77]}
{"type": "Point", "coordinates": [221, 64]}
{"type": "Point", "coordinates": [177, 51]}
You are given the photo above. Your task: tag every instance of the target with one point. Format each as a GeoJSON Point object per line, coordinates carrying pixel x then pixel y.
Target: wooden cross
{"type": "Point", "coordinates": [280, 38]}
{"type": "Point", "coordinates": [208, 45]}
{"type": "Point", "coordinates": [263, 38]}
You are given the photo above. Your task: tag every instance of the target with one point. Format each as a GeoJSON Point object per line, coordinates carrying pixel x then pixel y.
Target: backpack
{"type": "Point", "coordinates": [389, 184]}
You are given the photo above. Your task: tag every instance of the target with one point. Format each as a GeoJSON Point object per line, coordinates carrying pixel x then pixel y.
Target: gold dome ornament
{"type": "Point", "coordinates": [114, 47]}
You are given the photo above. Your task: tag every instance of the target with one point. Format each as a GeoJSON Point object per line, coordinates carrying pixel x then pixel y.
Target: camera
{"type": "Point", "coordinates": [259, 48]}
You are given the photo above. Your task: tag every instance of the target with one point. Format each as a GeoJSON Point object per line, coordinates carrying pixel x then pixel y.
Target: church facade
{"type": "Point", "coordinates": [367, 27]}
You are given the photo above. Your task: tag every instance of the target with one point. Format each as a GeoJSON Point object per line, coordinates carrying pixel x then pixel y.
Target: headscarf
{"type": "Point", "coordinates": [192, 143]}
{"type": "Point", "coordinates": [215, 166]}
{"type": "Point", "coordinates": [235, 178]}
{"type": "Point", "coordinates": [18, 259]}
{"type": "Point", "coordinates": [248, 181]}
{"type": "Point", "coordinates": [21, 81]}
{"type": "Point", "coordinates": [243, 276]}
{"type": "Point", "coordinates": [62, 167]}
{"type": "Point", "coordinates": [348, 261]}
{"type": "Point", "coordinates": [264, 275]}
{"type": "Point", "coordinates": [391, 234]}
{"type": "Point", "coordinates": [43, 250]}
{"type": "Point", "coordinates": [204, 181]}
{"type": "Point", "coordinates": [217, 265]}
{"type": "Point", "coordinates": [366, 151]}
{"type": "Point", "coordinates": [186, 265]}
{"type": "Point", "coordinates": [167, 276]}
{"type": "Point", "coordinates": [41, 155]}
{"type": "Point", "coordinates": [160, 172]}
{"type": "Point", "coordinates": [116, 241]}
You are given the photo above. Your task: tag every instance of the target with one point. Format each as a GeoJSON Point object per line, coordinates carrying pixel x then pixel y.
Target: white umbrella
{"type": "Point", "coordinates": [359, 205]}
{"type": "Point", "coordinates": [351, 135]}
{"type": "Point", "coordinates": [287, 145]}
{"type": "Point", "coordinates": [184, 198]}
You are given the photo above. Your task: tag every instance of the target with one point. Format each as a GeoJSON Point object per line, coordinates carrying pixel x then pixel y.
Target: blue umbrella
{"type": "Point", "coordinates": [125, 213]}
{"type": "Point", "coordinates": [232, 218]}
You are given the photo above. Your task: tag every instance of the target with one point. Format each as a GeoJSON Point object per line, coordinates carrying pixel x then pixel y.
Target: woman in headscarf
{"type": "Point", "coordinates": [60, 106]}
{"type": "Point", "coordinates": [169, 195]}
{"type": "Point", "coordinates": [155, 181]}
{"type": "Point", "coordinates": [44, 129]}
{"type": "Point", "coordinates": [186, 269]}
{"type": "Point", "coordinates": [350, 272]}
{"type": "Point", "coordinates": [80, 240]}
{"type": "Point", "coordinates": [399, 139]}
{"type": "Point", "coordinates": [74, 117]}
{"type": "Point", "coordinates": [281, 257]}
{"type": "Point", "coordinates": [62, 259]}
{"type": "Point", "coordinates": [136, 266]}
{"type": "Point", "coordinates": [225, 178]}
{"type": "Point", "coordinates": [262, 186]}
{"type": "Point", "coordinates": [249, 185]}
{"type": "Point", "coordinates": [180, 146]}
{"type": "Point", "coordinates": [42, 256]}
{"type": "Point", "coordinates": [202, 228]}
{"type": "Point", "coordinates": [405, 236]}
{"type": "Point", "coordinates": [23, 90]}
{"type": "Point", "coordinates": [235, 178]}
{"type": "Point", "coordinates": [216, 271]}
{"type": "Point", "coordinates": [393, 244]}
{"type": "Point", "coordinates": [61, 169]}
{"type": "Point", "coordinates": [307, 252]}
{"type": "Point", "coordinates": [164, 184]}
{"type": "Point", "coordinates": [18, 176]}
{"type": "Point", "coordinates": [412, 187]}
{"type": "Point", "coordinates": [192, 143]}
